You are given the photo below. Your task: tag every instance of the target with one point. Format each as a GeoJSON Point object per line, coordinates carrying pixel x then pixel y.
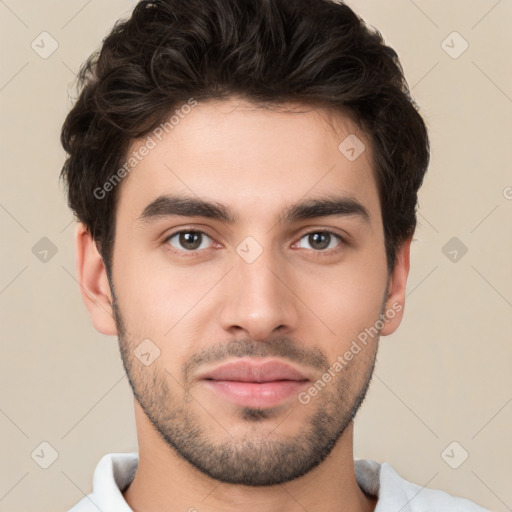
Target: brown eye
{"type": "Point", "coordinates": [321, 240]}
{"type": "Point", "coordinates": [187, 240]}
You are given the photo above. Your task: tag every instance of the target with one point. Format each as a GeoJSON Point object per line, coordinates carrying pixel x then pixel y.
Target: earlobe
{"type": "Point", "coordinates": [94, 285]}
{"type": "Point", "coordinates": [395, 302]}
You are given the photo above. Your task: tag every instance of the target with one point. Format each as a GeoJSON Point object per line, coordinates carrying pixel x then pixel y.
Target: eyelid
{"type": "Point", "coordinates": [186, 230]}
{"type": "Point", "coordinates": [325, 230]}
{"type": "Point", "coordinates": [182, 252]}
{"type": "Point", "coordinates": [342, 239]}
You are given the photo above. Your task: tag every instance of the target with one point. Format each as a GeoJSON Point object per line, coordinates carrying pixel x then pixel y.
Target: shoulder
{"type": "Point", "coordinates": [395, 491]}
{"type": "Point", "coordinates": [112, 475]}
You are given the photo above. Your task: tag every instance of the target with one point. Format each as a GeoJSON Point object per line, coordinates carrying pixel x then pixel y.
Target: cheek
{"type": "Point", "coordinates": [349, 311]}
{"type": "Point", "coordinates": [144, 293]}
{"type": "Point", "coordinates": [348, 300]}
{"type": "Point", "coordinates": [158, 299]}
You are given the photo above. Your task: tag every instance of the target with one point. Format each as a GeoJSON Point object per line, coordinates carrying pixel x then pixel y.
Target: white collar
{"type": "Point", "coordinates": [115, 471]}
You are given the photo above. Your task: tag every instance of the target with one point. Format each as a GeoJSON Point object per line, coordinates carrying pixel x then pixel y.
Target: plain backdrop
{"type": "Point", "coordinates": [440, 404]}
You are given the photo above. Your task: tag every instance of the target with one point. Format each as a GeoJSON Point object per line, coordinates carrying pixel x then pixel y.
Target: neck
{"type": "Point", "coordinates": [164, 481]}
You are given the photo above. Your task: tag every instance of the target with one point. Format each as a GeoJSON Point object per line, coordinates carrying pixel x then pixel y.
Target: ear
{"type": "Point", "coordinates": [94, 285]}
{"type": "Point", "coordinates": [395, 301]}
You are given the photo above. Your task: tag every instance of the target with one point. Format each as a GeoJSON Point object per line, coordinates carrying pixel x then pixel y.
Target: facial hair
{"type": "Point", "coordinates": [242, 460]}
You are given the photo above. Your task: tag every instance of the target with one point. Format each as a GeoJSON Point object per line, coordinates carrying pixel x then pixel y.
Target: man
{"type": "Point", "coordinates": [245, 176]}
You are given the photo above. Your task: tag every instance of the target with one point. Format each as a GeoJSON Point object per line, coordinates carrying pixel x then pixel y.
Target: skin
{"type": "Point", "coordinates": [297, 302]}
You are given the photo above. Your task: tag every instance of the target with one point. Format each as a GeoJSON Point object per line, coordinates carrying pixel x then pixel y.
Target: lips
{"type": "Point", "coordinates": [255, 383]}
{"type": "Point", "coordinates": [251, 371]}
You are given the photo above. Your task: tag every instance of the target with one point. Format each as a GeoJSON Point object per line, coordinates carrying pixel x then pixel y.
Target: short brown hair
{"type": "Point", "coordinates": [268, 51]}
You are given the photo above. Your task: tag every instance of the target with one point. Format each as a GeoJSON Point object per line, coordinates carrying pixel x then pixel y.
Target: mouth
{"type": "Point", "coordinates": [259, 385]}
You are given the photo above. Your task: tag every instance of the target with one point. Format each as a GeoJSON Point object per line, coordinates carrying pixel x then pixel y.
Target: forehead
{"type": "Point", "coordinates": [252, 158]}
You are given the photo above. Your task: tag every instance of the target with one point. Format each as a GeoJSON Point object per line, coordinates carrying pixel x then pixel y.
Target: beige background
{"type": "Point", "coordinates": [443, 377]}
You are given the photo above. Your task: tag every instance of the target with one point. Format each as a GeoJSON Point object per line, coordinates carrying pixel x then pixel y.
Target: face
{"type": "Point", "coordinates": [247, 236]}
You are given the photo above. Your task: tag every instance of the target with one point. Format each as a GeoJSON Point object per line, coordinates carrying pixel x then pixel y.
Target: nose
{"type": "Point", "coordinates": [259, 300]}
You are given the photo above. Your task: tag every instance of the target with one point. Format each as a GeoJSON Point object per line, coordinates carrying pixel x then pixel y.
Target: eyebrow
{"type": "Point", "coordinates": [171, 205]}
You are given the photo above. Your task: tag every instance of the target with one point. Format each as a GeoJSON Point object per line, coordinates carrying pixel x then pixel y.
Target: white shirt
{"type": "Point", "coordinates": [115, 471]}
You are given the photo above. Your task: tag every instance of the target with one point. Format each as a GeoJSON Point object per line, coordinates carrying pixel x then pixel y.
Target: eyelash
{"type": "Point", "coordinates": [194, 253]}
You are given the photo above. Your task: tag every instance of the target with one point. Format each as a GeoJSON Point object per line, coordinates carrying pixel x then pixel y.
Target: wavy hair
{"type": "Point", "coordinates": [267, 51]}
